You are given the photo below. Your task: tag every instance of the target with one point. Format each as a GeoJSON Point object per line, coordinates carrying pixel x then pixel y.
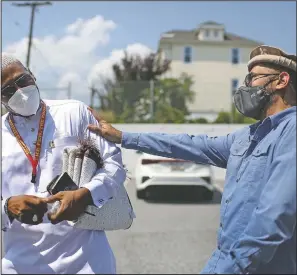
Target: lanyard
{"type": "Point", "coordinates": [34, 162]}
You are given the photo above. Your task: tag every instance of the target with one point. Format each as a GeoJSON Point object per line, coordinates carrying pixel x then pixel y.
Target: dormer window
{"type": "Point", "coordinates": [211, 31]}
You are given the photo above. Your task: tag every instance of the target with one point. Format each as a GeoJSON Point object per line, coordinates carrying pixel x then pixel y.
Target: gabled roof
{"type": "Point", "coordinates": [190, 36]}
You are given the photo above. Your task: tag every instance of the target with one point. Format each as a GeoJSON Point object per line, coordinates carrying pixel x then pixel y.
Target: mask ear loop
{"type": "Point", "coordinates": [266, 95]}
{"type": "Point", "coordinates": [31, 74]}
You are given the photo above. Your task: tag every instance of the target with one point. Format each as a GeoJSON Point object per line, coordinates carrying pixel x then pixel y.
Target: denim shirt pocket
{"type": "Point", "coordinates": [237, 153]}
{"type": "Point", "coordinates": [258, 162]}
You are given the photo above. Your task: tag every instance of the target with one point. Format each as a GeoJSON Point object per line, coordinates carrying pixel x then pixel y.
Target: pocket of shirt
{"type": "Point", "coordinates": [258, 162]}
{"type": "Point", "coordinates": [237, 152]}
{"type": "Point", "coordinates": [52, 166]}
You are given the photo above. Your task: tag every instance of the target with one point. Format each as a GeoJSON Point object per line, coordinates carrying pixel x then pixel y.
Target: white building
{"type": "Point", "coordinates": [217, 60]}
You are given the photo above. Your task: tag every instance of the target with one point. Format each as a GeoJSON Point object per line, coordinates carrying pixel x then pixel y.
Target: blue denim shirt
{"type": "Point", "coordinates": [257, 232]}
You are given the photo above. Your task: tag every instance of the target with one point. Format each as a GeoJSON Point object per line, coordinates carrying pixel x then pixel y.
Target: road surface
{"type": "Point", "coordinates": [167, 237]}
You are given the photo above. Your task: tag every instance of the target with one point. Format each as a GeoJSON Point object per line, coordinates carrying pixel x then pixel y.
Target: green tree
{"type": "Point", "coordinates": [237, 118]}
{"type": "Point", "coordinates": [128, 97]}
{"type": "Point", "coordinates": [170, 98]}
{"type": "Point", "coordinates": [132, 76]}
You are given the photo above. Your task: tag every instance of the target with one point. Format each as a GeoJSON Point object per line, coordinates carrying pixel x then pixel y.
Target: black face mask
{"type": "Point", "coordinates": [252, 101]}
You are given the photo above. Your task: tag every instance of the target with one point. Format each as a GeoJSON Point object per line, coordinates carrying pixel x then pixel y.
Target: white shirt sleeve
{"type": "Point", "coordinates": [102, 185]}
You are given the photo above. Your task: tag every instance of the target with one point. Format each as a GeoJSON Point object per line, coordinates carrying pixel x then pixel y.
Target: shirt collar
{"type": "Point", "coordinates": [274, 120]}
{"type": "Point", "coordinates": [281, 116]}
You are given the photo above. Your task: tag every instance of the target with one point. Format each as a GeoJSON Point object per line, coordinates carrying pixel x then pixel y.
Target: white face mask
{"type": "Point", "coordinates": [25, 101]}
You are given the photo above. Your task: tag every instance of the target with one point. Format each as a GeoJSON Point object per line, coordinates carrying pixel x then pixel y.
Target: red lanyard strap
{"type": "Point", "coordinates": [34, 162]}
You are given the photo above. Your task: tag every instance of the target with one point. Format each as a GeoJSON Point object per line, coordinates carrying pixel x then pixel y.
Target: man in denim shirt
{"type": "Point", "coordinates": [257, 232]}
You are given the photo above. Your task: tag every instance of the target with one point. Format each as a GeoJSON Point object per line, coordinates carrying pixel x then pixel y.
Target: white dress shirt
{"type": "Point", "coordinates": [60, 248]}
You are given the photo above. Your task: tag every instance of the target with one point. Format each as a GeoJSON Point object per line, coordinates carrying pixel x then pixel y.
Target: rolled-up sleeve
{"type": "Point", "coordinates": [273, 222]}
{"type": "Point", "coordinates": [197, 148]}
{"type": "Point", "coordinates": [102, 186]}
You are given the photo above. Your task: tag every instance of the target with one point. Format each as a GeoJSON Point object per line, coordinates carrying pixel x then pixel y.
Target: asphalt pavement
{"type": "Point", "coordinates": [167, 236]}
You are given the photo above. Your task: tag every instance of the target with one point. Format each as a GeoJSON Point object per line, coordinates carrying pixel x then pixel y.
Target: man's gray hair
{"type": "Point", "coordinates": [8, 59]}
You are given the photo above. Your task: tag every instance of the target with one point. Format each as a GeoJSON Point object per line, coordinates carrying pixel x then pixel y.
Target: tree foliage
{"type": "Point", "coordinates": [129, 96]}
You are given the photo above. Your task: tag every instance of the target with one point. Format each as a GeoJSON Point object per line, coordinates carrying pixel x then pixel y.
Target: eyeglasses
{"type": "Point", "coordinates": [251, 76]}
{"type": "Point", "coordinates": [23, 81]}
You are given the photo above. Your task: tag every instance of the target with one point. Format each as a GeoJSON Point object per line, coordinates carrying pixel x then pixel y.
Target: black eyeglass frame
{"type": "Point", "coordinates": [9, 90]}
{"type": "Point", "coordinates": [251, 77]}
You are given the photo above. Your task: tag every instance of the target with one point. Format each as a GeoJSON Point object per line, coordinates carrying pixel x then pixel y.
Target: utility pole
{"type": "Point", "coordinates": [33, 6]}
{"type": "Point", "coordinates": [152, 96]}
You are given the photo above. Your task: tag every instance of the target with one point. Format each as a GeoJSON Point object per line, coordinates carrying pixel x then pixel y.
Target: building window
{"type": "Point", "coordinates": [206, 33]}
{"type": "Point", "coordinates": [216, 33]}
{"type": "Point", "coordinates": [188, 55]}
{"type": "Point", "coordinates": [235, 56]}
{"type": "Point", "coordinates": [234, 85]}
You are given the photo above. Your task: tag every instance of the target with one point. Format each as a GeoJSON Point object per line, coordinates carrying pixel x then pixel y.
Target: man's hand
{"type": "Point", "coordinates": [24, 207]}
{"type": "Point", "coordinates": [73, 204]}
{"type": "Point", "coordinates": [105, 130]}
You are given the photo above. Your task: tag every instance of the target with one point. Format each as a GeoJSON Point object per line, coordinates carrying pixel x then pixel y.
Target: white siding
{"type": "Point", "coordinates": [212, 72]}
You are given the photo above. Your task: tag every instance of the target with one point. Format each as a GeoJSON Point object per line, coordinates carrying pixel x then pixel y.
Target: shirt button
{"type": "Point", "coordinates": [32, 129]}
{"type": "Point", "coordinates": [219, 247]}
{"type": "Point", "coordinates": [227, 201]}
{"type": "Point", "coordinates": [221, 225]}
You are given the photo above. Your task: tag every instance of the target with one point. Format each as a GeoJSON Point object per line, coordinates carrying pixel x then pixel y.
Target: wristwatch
{"type": "Point", "coordinates": [10, 216]}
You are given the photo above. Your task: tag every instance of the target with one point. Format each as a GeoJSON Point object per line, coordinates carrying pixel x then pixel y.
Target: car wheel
{"type": "Point", "coordinates": [140, 194]}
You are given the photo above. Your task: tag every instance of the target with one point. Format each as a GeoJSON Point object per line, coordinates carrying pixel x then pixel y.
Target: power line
{"type": "Point", "coordinates": [33, 6]}
{"type": "Point", "coordinates": [41, 54]}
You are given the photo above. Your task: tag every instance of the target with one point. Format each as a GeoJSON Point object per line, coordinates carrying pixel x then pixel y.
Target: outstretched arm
{"type": "Point", "coordinates": [200, 149]}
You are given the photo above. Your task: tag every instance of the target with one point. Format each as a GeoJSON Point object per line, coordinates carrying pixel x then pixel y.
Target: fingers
{"type": "Point", "coordinates": [37, 203]}
{"type": "Point", "coordinates": [53, 198]}
{"type": "Point", "coordinates": [36, 208]}
{"type": "Point", "coordinates": [95, 114]}
{"type": "Point", "coordinates": [56, 217]}
{"type": "Point", "coordinates": [94, 128]}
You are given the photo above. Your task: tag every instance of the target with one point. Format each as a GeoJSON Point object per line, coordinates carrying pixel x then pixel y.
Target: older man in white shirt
{"type": "Point", "coordinates": [34, 134]}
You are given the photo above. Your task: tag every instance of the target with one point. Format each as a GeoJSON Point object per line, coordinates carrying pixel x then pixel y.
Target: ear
{"type": "Point", "coordinates": [31, 74]}
{"type": "Point", "coordinates": [283, 81]}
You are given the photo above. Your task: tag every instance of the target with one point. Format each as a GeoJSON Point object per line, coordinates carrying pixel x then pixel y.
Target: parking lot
{"type": "Point", "coordinates": [167, 236]}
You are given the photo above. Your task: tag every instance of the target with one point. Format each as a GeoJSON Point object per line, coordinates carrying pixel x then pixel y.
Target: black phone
{"type": "Point", "coordinates": [60, 183]}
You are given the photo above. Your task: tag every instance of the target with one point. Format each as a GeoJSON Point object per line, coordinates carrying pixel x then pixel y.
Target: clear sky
{"type": "Point", "coordinates": [130, 23]}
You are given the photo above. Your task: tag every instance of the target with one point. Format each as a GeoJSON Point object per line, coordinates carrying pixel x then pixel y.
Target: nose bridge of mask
{"type": "Point", "coordinates": [24, 96]}
{"type": "Point", "coordinates": [21, 95]}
